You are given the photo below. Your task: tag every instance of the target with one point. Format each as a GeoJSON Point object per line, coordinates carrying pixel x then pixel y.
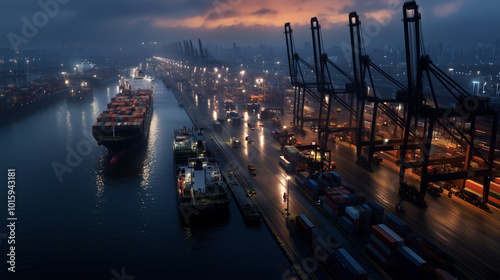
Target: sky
{"type": "Point", "coordinates": [29, 24]}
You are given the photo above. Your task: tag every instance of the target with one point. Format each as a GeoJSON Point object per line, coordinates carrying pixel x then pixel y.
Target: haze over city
{"type": "Point", "coordinates": [124, 23]}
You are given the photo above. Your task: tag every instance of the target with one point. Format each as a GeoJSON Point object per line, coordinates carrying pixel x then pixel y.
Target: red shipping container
{"type": "Point", "coordinates": [384, 237]}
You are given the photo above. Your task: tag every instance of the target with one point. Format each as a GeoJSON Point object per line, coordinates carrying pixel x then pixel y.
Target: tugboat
{"type": "Point", "coordinates": [80, 92]}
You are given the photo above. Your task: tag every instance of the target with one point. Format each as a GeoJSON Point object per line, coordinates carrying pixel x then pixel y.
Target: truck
{"type": "Point", "coordinates": [276, 122]}
{"type": "Point", "coordinates": [235, 143]}
{"type": "Point", "coordinates": [228, 105]}
{"type": "Point", "coordinates": [266, 114]}
{"type": "Point", "coordinates": [230, 114]}
{"type": "Point", "coordinates": [217, 126]}
{"type": "Point", "coordinates": [252, 169]}
{"type": "Point", "coordinates": [236, 121]}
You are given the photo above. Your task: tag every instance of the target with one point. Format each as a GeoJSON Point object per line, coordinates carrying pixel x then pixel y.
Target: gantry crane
{"type": "Point", "coordinates": [319, 85]}
{"type": "Point", "coordinates": [367, 92]}
{"type": "Point", "coordinates": [426, 111]}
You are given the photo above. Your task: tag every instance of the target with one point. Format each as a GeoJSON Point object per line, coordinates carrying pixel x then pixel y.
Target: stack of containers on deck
{"type": "Point", "coordinates": [335, 201]}
{"type": "Point", "coordinates": [383, 244]}
{"type": "Point", "coordinates": [127, 110]}
{"type": "Point", "coordinates": [377, 212]}
{"type": "Point", "coordinates": [347, 266]}
{"type": "Point", "coordinates": [312, 189]}
{"type": "Point", "coordinates": [357, 218]}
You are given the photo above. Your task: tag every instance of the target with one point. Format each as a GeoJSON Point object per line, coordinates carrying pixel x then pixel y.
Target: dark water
{"type": "Point", "coordinates": [98, 222]}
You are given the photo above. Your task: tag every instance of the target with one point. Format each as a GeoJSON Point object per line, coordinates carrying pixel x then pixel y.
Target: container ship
{"type": "Point", "coordinates": [125, 123]}
{"type": "Point", "coordinates": [200, 188]}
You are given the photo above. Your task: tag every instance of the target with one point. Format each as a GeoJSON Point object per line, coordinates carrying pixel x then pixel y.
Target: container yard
{"type": "Point", "coordinates": [18, 97]}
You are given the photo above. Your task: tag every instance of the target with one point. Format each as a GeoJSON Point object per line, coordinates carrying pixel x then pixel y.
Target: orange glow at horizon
{"type": "Point", "coordinates": [265, 13]}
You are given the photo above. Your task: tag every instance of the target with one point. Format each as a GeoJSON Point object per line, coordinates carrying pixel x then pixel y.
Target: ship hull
{"type": "Point", "coordinates": [118, 146]}
{"type": "Point", "coordinates": [203, 210]}
{"type": "Point", "coordinates": [215, 205]}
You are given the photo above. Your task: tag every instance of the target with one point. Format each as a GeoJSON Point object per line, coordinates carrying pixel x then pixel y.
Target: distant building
{"type": "Point", "coordinates": [496, 49]}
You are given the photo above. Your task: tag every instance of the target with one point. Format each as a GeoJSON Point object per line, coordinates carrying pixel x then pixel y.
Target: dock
{"type": "Point", "coordinates": [242, 196]}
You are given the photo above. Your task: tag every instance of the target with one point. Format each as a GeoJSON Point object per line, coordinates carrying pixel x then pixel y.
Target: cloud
{"type": "Point", "coordinates": [445, 10]}
{"type": "Point", "coordinates": [265, 11]}
{"type": "Point", "coordinates": [95, 22]}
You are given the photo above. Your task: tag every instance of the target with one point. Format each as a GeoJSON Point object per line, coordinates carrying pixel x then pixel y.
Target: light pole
{"type": "Point", "coordinates": [242, 73]}
{"type": "Point", "coordinates": [288, 196]}
{"type": "Point", "coordinates": [28, 66]}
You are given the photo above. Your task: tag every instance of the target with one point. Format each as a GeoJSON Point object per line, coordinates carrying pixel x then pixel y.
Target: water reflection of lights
{"type": "Point", "coordinates": [95, 109]}
{"type": "Point", "coordinates": [215, 115]}
{"type": "Point", "coordinates": [68, 126]}
{"type": "Point", "coordinates": [261, 141]}
{"type": "Point", "coordinates": [152, 150]}
{"type": "Point", "coordinates": [245, 116]}
{"type": "Point", "coordinates": [196, 99]}
{"type": "Point", "coordinates": [100, 198]}
{"type": "Point", "coordinates": [84, 123]}
{"type": "Point", "coordinates": [208, 102]}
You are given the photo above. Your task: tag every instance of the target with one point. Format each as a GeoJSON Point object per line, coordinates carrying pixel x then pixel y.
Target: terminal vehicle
{"type": "Point", "coordinates": [217, 126]}
{"type": "Point", "coordinates": [252, 170]}
{"type": "Point", "coordinates": [235, 143]}
{"type": "Point", "coordinates": [399, 207]}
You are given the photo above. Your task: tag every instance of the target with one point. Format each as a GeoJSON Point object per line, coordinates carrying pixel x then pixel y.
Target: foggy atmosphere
{"type": "Point", "coordinates": [238, 139]}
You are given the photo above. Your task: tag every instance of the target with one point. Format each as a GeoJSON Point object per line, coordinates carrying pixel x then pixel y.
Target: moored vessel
{"type": "Point", "coordinates": [200, 188]}
{"type": "Point", "coordinates": [125, 123]}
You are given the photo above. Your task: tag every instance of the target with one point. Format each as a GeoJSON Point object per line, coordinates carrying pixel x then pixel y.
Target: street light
{"type": "Point", "coordinates": [242, 73]}
{"type": "Point", "coordinates": [288, 195]}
